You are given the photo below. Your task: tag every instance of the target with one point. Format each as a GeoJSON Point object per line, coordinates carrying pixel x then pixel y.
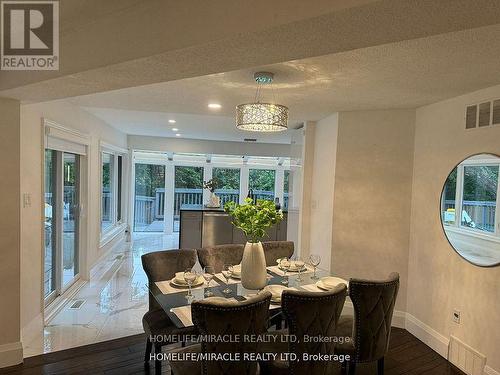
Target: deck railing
{"type": "Point", "coordinates": [151, 208]}
{"type": "Point", "coordinates": [482, 213]}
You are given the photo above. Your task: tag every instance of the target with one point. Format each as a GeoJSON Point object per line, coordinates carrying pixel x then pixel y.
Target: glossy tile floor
{"type": "Point", "coordinates": [115, 300]}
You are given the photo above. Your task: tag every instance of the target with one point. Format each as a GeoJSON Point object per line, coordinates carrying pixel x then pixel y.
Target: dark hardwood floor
{"type": "Point", "coordinates": [407, 355]}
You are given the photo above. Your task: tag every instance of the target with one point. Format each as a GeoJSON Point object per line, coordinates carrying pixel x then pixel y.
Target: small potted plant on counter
{"type": "Point", "coordinates": [211, 185]}
{"type": "Point", "coordinates": [253, 219]}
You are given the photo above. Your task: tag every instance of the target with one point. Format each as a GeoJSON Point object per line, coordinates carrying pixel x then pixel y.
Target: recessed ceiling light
{"type": "Point", "coordinates": [172, 121]}
{"type": "Point", "coordinates": [177, 135]}
{"type": "Point", "coordinates": [214, 106]}
{"type": "Point", "coordinates": [175, 129]}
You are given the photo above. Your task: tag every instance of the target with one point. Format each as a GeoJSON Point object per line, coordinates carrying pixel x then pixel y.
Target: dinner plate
{"type": "Point", "coordinates": [293, 268]}
{"type": "Point", "coordinates": [275, 291]}
{"type": "Point", "coordinates": [236, 272]}
{"type": "Point", "coordinates": [329, 283]}
{"type": "Point", "coordinates": [199, 281]}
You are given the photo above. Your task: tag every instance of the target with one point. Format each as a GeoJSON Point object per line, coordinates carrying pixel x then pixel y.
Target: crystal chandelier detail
{"type": "Point", "coordinates": [262, 117]}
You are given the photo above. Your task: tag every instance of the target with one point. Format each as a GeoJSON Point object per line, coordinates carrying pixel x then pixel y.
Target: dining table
{"type": "Point", "coordinates": [176, 301]}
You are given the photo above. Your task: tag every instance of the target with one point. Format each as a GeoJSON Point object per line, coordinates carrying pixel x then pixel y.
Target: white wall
{"type": "Point", "coordinates": [439, 279]}
{"type": "Point", "coordinates": [11, 352]}
{"type": "Point", "coordinates": [322, 188]}
{"type": "Point", "coordinates": [31, 183]}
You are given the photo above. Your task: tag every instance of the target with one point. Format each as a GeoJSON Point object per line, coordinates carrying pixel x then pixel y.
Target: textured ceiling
{"type": "Point", "coordinates": [407, 74]}
{"type": "Point", "coordinates": [156, 41]}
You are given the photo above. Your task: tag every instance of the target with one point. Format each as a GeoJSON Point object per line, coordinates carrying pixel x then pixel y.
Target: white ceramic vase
{"type": "Point", "coordinates": [253, 266]}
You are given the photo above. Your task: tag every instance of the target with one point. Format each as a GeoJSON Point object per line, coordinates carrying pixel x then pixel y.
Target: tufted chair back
{"type": "Point", "coordinates": [373, 307]}
{"type": "Point", "coordinates": [162, 265]}
{"type": "Point", "coordinates": [220, 316]}
{"type": "Point", "coordinates": [312, 314]}
{"type": "Point", "coordinates": [217, 256]}
{"type": "Point", "coordinates": [274, 250]}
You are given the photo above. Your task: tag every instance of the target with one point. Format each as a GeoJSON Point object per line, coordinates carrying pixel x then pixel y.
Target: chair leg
{"type": "Point", "coordinates": [157, 361]}
{"type": "Point", "coordinates": [352, 368]}
{"type": "Point", "coordinates": [149, 346]}
{"type": "Point", "coordinates": [380, 366]}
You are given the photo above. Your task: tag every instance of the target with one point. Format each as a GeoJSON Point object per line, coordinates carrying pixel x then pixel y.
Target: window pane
{"type": "Point", "coordinates": [70, 218]}
{"type": "Point", "coordinates": [261, 183]}
{"type": "Point", "coordinates": [107, 189]}
{"type": "Point", "coordinates": [188, 190]}
{"type": "Point", "coordinates": [149, 204]}
{"type": "Point", "coordinates": [50, 222]}
{"type": "Point", "coordinates": [228, 182]}
{"type": "Point", "coordinates": [479, 197]}
{"type": "Point", "coordinates": [448, 199]}
{"type": "Point", "coordinates": [286, 188]}
{"type": "Point", "coordinates": [119, 189]}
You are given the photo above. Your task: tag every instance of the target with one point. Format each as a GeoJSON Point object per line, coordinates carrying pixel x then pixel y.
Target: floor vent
{"type": "Point", "coordinates": [482, 114]}
{"type": "Point", "coordinates": [77, 304]}
{"type": "Point", "coordinates": [465, 358]}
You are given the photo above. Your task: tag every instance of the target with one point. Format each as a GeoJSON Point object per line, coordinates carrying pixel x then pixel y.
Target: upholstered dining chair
{"type": "Point", "coordinates": [274, 250]}
{"type": "Point", "coordinates": [219, 255]}
{"type": "Point", "coordinates": [160, 266]}
{"type": "Point", "coordinates": [220, 316]}
{"type": "Point", "coordinates": [307, 314]}
{"type": "Point", "coordinates": [370, 328]}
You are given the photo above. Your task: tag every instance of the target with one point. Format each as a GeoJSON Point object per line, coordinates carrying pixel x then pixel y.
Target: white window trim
{"type": "Point", "coordinates": [116, 227]}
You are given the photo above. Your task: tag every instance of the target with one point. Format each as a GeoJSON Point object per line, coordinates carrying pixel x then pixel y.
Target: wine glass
{"type": "Point", "coordinates": [315, 260]}
{"type": "Point", "coordinates": [285, 266]}
{"type": "Point", "coordinates": [299, 263]}
{"type": "Point", "coordinates": [208, 275]}
{"type": "Point", "coordinates": [190, 276]}
{"type": "Point", "coordinates": [227, 271]}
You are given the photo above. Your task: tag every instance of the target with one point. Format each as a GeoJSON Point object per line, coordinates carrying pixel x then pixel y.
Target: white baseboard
{"type": "Point", "coordinates": [33, 329]}
{"type": "Point", "coordinates": [490, 371]}
{"type": "Point", "coordinates": [11, 354]}
{"type": "Point", "coordinates": [427, 335]}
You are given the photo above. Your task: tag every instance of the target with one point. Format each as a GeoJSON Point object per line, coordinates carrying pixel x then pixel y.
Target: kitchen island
{"type": "Point", "coordinates": [202, 226]}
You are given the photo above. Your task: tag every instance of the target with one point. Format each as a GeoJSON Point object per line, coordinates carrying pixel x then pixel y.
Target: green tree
{"type": "Point", "coordinates": [261, 179]}
{"type": "Point", "coordinates": [148, 178]}
{"type": "Point", "coordinates": [188, 177]}
{"type": "Point", "coordinates": [480, 183]}
{"type": "Point", "coordinates": [227, 178]}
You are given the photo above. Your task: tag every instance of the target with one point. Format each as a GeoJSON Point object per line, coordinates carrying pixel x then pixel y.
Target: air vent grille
{"type": "Point", "coordinates": [77, 304]}
{"type": "Point", "coordinates": [496, 112]}
{"type": "Point", "coordinates": [482, 114]}
{"type": "Point", "coordinates": [250, 140]}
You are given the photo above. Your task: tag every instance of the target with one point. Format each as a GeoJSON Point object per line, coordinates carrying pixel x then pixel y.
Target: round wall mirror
{"type": "Point", "coordinates": [469, 209]}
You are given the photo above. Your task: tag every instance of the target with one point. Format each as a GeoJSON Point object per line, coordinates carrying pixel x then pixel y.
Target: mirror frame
{"type": "Point", "coordinates": [441, 218]}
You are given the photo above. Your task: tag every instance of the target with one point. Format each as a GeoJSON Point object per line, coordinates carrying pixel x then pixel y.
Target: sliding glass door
{"type": "Point", "coordinates": [61, 224]}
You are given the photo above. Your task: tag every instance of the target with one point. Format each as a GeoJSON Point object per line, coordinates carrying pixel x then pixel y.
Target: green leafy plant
{"type": "Point", "coordinates": [211, 184]}
{"type": "Point", "coordinates": [254, 218]}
